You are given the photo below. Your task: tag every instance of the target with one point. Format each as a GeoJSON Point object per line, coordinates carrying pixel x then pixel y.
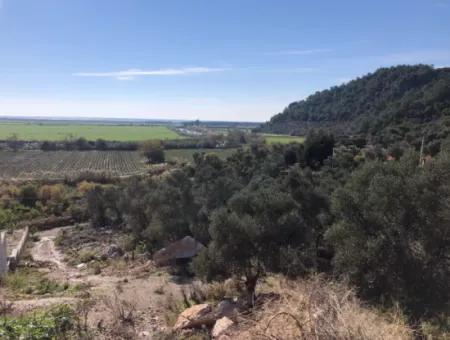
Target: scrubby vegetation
{"type": "Point", "coordinates": [28, 281]}
{"type": "Point", "coordinates": [342, 209]}
{"type": "Point", "coordinates": [343, 221]}
{"type": "Point", "coordinates": [43, 204]}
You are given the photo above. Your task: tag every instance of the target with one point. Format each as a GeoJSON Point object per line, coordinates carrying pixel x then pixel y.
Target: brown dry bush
{"type": "Point", "coordinates": [173, 307]}
{"type": "Point", "coordinates": [122, 311]}
{"type": "Point", "coordinates": [5, 307]}
{"type": "Point", "coordinates": [198, 292]}
{"type": "Point", "coordinates": [319, 309]}
{"type": "Point", "coordinates": [123, 317]}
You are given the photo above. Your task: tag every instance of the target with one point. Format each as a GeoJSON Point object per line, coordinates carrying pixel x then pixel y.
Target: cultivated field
{"type": "Point", "coordinates": [59, 131]}
{"type": "Point", "coordinates": [283, 139]}
{"type": "Point", "coordinates": [60, 164]}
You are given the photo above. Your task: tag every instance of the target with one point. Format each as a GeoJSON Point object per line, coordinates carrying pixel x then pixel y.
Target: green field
{"type": "Point", "coordinates": [54, 132]}
{"type": "Point", "coordinates": [186, 155]}
{"type": "Point", "coordinates": [283, 139]}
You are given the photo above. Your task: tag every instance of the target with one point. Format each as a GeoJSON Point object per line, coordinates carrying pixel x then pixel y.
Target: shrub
{"type": "Point", "coordinates": [84, 187]}
{"type": "Point", "coordinates": [14, 143]}
{"type": "Point", "coordinates": [49, 146]}
{"type": "Point", "coordinates": [55, 323]}
{"type": "Point", "coordinates": [55, 192]}
{"type": "Point", "coordinates": [86, 256]}
{"type": "Point", "coordinates": [29, 281]}
{"type": "Point", "coordinates": [28, 195]}
{"type": "Point", "coordinates": [123, 314]}
{"type": "Point", "coordinates": [153, 151]}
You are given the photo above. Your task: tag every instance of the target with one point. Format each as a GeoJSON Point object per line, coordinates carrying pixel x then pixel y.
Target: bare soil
{"type": "Point", "coordinates": [135, 286]}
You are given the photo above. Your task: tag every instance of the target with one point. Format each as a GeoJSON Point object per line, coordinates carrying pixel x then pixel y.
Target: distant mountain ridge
{"type": "Point", "coordinates": [408, 98]}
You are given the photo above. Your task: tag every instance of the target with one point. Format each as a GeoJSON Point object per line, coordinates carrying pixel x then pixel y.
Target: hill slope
{"type": "Point", "coordinates": [404, 97]}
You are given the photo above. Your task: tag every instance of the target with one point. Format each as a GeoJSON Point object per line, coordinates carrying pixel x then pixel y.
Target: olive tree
{"type": "Point", "coordinates": [391, 235]}
{"type": "Point", "coordinates": [250, 235]}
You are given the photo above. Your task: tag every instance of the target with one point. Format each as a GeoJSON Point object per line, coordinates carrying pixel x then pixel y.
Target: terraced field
{"type": "Point", "coordinates": [60, 164]}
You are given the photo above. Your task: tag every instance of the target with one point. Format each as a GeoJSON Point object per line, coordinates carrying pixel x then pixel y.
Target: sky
{"type": "Point", "coordinates": [236, 60]}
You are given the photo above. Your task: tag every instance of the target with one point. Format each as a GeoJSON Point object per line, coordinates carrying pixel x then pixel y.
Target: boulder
{"type": "Point", "coordinates": [113, 251]}
{"type": "Point", "coordinates": [185, 248]}
{"type": "Point", "coordinates": [195, 316]}
{"type": "Point", "coordinates": [225, 308]}
{"type": "Point", "coordinates": [221, 326]}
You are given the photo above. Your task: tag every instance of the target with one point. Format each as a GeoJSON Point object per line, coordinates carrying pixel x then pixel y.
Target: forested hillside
{"type": "Point", "coordinates": [391, 104]}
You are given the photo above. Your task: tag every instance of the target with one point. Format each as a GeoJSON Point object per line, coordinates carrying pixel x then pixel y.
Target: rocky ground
{"type": "Point", "coordinates": [120, 286]}
{"type": "Point", "coordinates": [122, 296]}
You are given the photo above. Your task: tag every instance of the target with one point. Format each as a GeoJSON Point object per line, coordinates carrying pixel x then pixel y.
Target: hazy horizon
{"type": "Point", "coordinates": [217, 61]}
{"type": "Point", "coordinates": [106, 118]}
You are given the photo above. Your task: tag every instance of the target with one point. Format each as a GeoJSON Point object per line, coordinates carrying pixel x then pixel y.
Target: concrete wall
{"type": "Point", "coordinates": [10, 262]}
{"type": "Point", "coordinates": [17, 252]}
{"type": "Point", "coordinates": [3, 255]}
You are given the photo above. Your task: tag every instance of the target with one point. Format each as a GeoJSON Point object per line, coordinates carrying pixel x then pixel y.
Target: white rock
{"type": "Point", "coordinates": [221, 326]}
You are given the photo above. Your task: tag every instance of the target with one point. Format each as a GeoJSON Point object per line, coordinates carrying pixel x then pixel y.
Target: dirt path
{"type": "Point", "coordinates": [137, 287]}
{"type": "Point", "coordinates": [46, 251]}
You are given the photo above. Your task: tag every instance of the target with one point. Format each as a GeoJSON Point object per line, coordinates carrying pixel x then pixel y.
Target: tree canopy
{"type": "Point", "coordinates": [391, 104]}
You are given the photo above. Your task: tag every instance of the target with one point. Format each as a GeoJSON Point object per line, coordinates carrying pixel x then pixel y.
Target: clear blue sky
{"type": "Point", "coordinates": [208, 59]}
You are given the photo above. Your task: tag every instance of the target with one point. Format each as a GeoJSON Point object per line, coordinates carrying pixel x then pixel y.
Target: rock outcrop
{"type": "Point", "coordinates": [194, 317]}
{"type": "Point", "coordinates": [185, 248]}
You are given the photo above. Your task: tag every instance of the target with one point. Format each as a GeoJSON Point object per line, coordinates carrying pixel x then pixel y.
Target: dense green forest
{"type": "Point", "coordinates": [402, 103]}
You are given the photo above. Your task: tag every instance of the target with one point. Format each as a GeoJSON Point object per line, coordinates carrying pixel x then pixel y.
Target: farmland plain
{"type": "Point", "coordinates": [36, 165]}
{"type": "Point", "coordinates": [24, 165]}
{"type": "Point", "coordinates": [55, 132]}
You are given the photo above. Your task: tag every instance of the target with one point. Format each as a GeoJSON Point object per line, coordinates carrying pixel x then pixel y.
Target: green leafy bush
{"type": "Point", "coordinates": [29, 281]}
{"type": "Point", "coordinates": [391, 232]}
{"type": "Point", "coordinates": [55, 323]}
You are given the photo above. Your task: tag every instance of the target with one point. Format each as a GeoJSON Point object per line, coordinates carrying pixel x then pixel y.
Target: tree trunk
{"type": "Point", "coordinates": [250, 285]}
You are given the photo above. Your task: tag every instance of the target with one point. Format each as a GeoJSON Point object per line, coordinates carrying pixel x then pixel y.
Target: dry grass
{"type": "Point", "coordinates": [122, 311]}
{"type": "Point", "coordinates": [213, 292]}
{"type": "Point", "coordinates": [123, 318]}
{"type": "Point", "coordinates": [319, 309]}
{"type": "Point", "coordinates": [172, 308]}
{"type": "Point", "coordinates": [196, 293]}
